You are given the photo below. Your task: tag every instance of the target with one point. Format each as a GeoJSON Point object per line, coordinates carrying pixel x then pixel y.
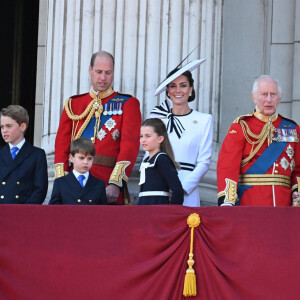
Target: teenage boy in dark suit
{"type": "Point", "coordinates": [23, 167]}
{"type": "Point", "coordinates": [79, 186]}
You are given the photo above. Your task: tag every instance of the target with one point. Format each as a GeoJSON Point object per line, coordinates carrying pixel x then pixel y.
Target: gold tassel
{"type": "Point", "coordinates": [190, 287]}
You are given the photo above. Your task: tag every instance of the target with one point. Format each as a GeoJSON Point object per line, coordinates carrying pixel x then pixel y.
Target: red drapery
{"type": "Point", "coordinates": [141, 252]}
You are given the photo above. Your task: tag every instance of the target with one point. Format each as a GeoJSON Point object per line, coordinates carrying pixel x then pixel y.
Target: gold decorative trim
{"type": "Point", "coordinates": [237, 120]}
{"type": "Point", "coordinates": [95, 107]}
{"type": "Point", "coordinates": [190, 285]}
{"type": "Point", "coordinates": [266, 133]}
{"type": "Point", "coordinates": [230, 191]}
{"type": "Point", "coordinates": [221, 194]}
{"type": "Point", "coordinates": [59, 170]}
{"type": "Point", "coordinates": [265, 118]}
{"type": "Point", "coordinates": [103, 94]}
{"type": "Point", "coordinates": [295, 187]}
{"type": "Point", "coordinates": [118, 173]}
{"type": "Point", "coordinates": [265, 179]}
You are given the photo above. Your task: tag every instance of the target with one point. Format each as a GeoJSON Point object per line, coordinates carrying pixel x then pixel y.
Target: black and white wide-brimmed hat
{"type": "Point", "coordinates": [177, 72]}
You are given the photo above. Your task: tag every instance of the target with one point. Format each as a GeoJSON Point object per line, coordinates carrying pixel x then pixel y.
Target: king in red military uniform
{"type": "Point", "coordinates": [259, 161]}
{"type": "Point", "coordinates": [111, 120]}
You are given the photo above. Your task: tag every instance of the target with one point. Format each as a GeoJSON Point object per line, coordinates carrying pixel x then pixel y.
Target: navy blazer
{"type": "Point", "coordinates": [67, 190]}
{"type": "Point", "coordinates": [24, 180]}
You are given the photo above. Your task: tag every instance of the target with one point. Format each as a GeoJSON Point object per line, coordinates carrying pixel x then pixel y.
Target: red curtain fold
{"type": "Point", "coordinates": [141, 252]}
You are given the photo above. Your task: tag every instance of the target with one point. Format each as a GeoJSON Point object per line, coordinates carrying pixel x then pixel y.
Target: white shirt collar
{"type": "Point", "coordinates": [96, 92]}
{"type": "Point", "coordinates": [86, 175]}
{"type": "Point", "coordinates": [20, 145]}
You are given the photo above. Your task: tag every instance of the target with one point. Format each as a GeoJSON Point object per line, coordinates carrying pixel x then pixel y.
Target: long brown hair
{"type": "Point", "coordinates": [160, 129]}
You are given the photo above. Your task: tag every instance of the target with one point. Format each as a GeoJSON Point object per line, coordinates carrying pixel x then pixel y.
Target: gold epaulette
{"type": "Point", "coordinates": [237, 120]}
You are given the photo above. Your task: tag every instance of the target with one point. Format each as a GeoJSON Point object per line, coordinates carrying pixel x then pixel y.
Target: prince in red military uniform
{"type": "Point", "coordinates": [110, 119]}
{"type": "Point", "coordinates": [259, 161]}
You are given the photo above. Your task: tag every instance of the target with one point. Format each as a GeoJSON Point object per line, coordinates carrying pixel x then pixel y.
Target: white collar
{"type": "Point", "coordinates": [86, 174]}
{"type": "Point", "coordinates": [20, 145]}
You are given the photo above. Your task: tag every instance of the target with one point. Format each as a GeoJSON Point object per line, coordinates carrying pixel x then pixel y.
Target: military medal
{"type": "Point", "coordinates": [115, 134]}
{"type": "Point", "coordinates": [115, 109]}
{"type": "Point", "coordinates": [290, 151]}
{"type": "Point", "coordinates": [284, 163]}
{"type": "Point", "coordinates": [120, 109]}
{"type": "Point", "coordinates": [292, 165]}
{"type": "Point", "coordinates": [101, 134]}
{"type": "Point", "coordinates": [286, 135]}
{"type": "Point", "coordinates": [110, 124]}
{"type": "Point", "coordinates": [105, 110]}
{"type": "Point", "coordinates": [110, 109]}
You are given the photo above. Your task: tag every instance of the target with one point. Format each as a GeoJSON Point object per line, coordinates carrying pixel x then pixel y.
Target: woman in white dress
{"type": "Point", "coordinates": [190, 132]}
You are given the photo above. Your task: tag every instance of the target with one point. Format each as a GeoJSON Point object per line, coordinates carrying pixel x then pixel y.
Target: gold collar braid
{"type": "Point", "coordinates": [263, 117]}
{"type": "Point", "coordinates": [95, 107]}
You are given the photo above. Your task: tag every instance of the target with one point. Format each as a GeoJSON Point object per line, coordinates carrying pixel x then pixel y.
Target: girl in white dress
{"type": "Point", "coordinates": [190, 132]}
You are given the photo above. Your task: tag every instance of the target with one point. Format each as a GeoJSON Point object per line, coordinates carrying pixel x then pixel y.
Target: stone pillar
{"type": "Point", "coordinates": [296, 66]}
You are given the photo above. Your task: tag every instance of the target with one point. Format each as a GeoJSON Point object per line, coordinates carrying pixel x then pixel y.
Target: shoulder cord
{"type": "Point", "coordinates": [94, 107]}
{"type": "Point", "coordinates": [260, 139]}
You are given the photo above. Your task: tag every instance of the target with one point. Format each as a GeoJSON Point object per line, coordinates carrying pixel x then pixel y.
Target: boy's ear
{"type": "Point", "coordinates": [71, 158]}
{"type": "Point", "coordinates": [23, 127]}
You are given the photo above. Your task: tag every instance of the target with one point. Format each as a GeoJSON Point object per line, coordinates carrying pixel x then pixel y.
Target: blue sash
{"type": "Point", "coordinates": [266, 159]}
{"type": "Point", "coordinates": [109, 106]}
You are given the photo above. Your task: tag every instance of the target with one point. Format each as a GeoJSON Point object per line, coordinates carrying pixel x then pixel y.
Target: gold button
{"type": "Point", "coordinates": [276, 165]}
{"type": "Point", "coordinates": [78, 200]}
{"type": "Point", "coordinates": [3, 183]}
{"type": "Point", "coordinates": [18, 182]}
{"type": "Point", "coordinates": [17, 197]}
{"type": "Point", "coordinates": [2, 197]}
{"type": "Point", "coordinates": [90, 201]}
{"type": "Point", "coordinates": [275, 171]}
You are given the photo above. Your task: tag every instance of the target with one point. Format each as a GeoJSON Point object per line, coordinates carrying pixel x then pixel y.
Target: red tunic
{"type": "Point", "coordinates": [120, 142]}
{"type": "Point", "coordinates": [235, 148]}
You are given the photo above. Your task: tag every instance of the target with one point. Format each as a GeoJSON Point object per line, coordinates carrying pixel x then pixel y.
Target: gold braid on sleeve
{"type": "Point", "coordinates": [258, 139]}
{"type": "Point", "coordinates": [95, 107]}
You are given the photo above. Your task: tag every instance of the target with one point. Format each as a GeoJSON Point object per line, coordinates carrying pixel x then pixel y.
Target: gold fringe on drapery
{"type": "Point", "coordinates": [190, 288]}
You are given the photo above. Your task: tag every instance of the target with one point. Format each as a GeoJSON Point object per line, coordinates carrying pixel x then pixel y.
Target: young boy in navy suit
{"type": "Point", "coordinates": [23, 171]}
{"type": "Point", "coordinates": [79, 186]}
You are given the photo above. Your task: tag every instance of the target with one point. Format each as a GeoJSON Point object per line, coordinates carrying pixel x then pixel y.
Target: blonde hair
{"type": "Point", "coordinates": [161, 130]}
